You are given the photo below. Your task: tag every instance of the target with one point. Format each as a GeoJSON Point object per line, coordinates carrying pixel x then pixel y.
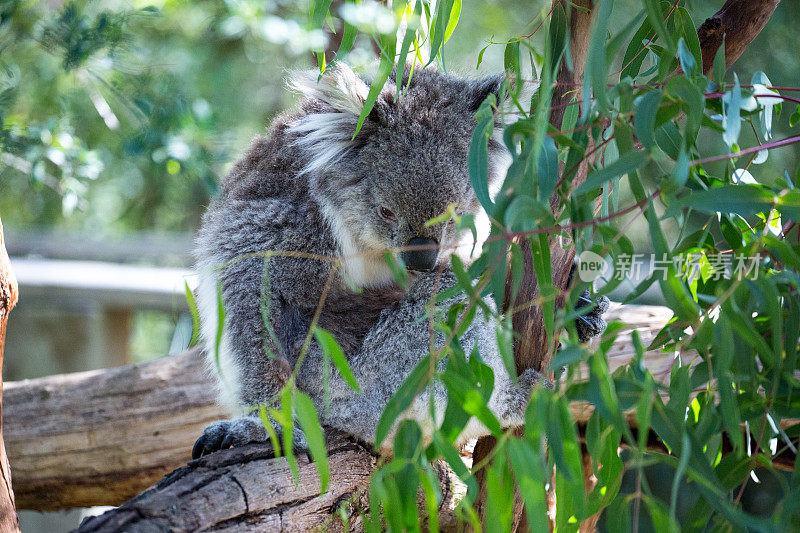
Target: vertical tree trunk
{"type": "Point", "coordinates": [532, 348]}
{"type": "Point", "coordinates": [8, 298]}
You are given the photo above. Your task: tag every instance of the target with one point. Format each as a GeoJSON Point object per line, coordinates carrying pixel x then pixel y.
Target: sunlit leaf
{"type": "Point", "coordinates": [307, 416]}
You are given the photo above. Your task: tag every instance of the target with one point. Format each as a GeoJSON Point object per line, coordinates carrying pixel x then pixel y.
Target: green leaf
{"type": "Point", "coordinates": [450, 454]}
{"type": "Point", "coordinates": [287, 424]}
{"type": "Point", "coordinates": [220, 326]}
{"type": "Point", "coordinates": [635, 54]}
{"type": "Point", "coordinates": [688, 63]}
{"type": "Point", "coordinates": [332, 350]}
{"type": "Point", "coordinates": [528, 471]}
{"type": "Point", "coordinates": [540, 248]}
{"type": "Point", "coordinates": [693, 102]}
{"type": "Point", "coordinates": [621, 37]}
{"type": "Point", "coordinates": [595, 76]}
{"type": "Point", "coordinates": [273, 436]}
{"type": "Point", "coordinates": [397, 268]}
{"type": "Point", "coordinates": [408, 38]}
{"type": "Point", "coordinates": [788, 204]}
{"type": "Point", "coordinates": [265, 308]}
{"type": "Point", "coordinates": [547, 169]}
{"type": "Point", "coordinates": [689, 36]}
{"type": "Point", "coordinates": [723, 357]}
{"type": "Point", "coordinates": [319, 9]}
{"type": "Point", "coordinates": [680, 172]}
{"type": "Point", "coordinates": [526, 213]}
{"type": "Point", "coordinates": [669, 139]}
{"type": "Point", "coordinates": [407, 440]}
{"type": "Point", "coordinates": [662, 521]}
{"type": "Point", "coordinates": [478, 157]}
{"type": "Point", "coordinates": [645, 120]}
{"type": "Point", "coordinates": [348, 40]}
{"type": "Point", "coordinates": [480, 55]}
{"type": "Point", "coordinates": [720, 66]}
{"type": "Point", "coordinates": [656, 18]}
{"type": "Point", "coordinates": [195, 315]}
{"type": "Point", "coordinates": [444, 11]}
{"type": "Point", "coordinates": [624, 165]}
{"type": "Point", "coordinates": [432, 491]}
{"type": "Point", "coordinates": [733, 122]}
{"type": "Point", "coordinates": [795, 118]}
{"type": "Point", "coordinates": [307, 415]}
{"type": "Point", "coordinates": [455, 13]}
{"type": "Point", "coordinates": [511, 64]}
{"type": "Point", "coordinates": [742, 199]}
{"type": "Point", "coordinates": [388, 43]}
{"type": "Point", "coordinates": [676, 480]}
{"type": "Point", "coordinates": [461, 384]}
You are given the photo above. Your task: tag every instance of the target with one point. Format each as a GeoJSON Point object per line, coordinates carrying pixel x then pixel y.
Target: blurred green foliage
{"type": "Point", "coordinates": [119, 116]}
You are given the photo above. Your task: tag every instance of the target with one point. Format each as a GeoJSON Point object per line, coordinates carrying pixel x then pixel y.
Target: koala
{"type": "Point", "coordinates": [327, 206]}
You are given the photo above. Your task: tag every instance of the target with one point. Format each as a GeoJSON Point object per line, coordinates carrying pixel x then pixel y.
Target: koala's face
{"type": "Point", "coordinates": [406, 166]}
{"type": "Point", "coordinates": [412, 175]}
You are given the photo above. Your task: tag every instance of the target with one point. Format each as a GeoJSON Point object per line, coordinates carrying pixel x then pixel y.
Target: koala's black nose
{"type": "Point", "coordinates": [422, 260]}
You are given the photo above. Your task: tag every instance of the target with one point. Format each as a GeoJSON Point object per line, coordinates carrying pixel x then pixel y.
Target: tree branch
{"type": "Point", "coordinates": [738, 23]}
{"type": "Point", "coordinates": [247, 490]}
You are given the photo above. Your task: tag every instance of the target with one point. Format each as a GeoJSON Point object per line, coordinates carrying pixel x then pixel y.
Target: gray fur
{"type": "Point", "coordinates": [309, 187]}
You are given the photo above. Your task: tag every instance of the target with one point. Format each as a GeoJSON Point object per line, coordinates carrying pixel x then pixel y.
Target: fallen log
{"type": "Point", "coordinates": [100, 437]}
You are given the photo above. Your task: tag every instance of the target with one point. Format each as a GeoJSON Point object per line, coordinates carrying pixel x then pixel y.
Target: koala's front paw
{"type": "Point", "coordinates": [530, 378]}
{"type": "Point", "coordinates": [591, 324]}
{"type": "Point", "coordinates": [224, 434]}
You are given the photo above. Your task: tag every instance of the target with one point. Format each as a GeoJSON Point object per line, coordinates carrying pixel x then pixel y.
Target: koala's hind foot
{"type": "Point", "coordinates": [224, 434]}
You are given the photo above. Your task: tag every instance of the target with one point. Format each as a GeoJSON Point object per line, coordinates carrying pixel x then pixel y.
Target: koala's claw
{"type": "Point", "coordinates": [204, 446]}
{"type": "Point", "coordinates": [224, 434]}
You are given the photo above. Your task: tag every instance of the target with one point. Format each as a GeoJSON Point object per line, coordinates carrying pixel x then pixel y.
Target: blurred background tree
{"type": "Point", "coordinates": [122, 116]}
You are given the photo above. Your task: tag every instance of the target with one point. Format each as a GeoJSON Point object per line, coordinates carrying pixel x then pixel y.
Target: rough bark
{"type": "Point", "coordinates": [8, 299]}
{"type": "Point", "coordinates": [101, 437]}
{"type": "Point", "coordinates": [245, 489]}
{"type": "Point", "coordinates": [738, 23]}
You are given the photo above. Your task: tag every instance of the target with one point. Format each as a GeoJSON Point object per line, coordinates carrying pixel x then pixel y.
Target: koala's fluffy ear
{"type": "Point", "coordinates": [482, 88]}
{"type": "Point", "coordinates": [342, 90]}
{"type": "Point", "coordinates": [339, 88]}
{"type": "Point", "coordinates": [325, 131]}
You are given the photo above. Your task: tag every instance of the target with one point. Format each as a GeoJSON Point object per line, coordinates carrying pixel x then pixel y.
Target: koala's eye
{"type": "Point", "coordinates": [387, 214]}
